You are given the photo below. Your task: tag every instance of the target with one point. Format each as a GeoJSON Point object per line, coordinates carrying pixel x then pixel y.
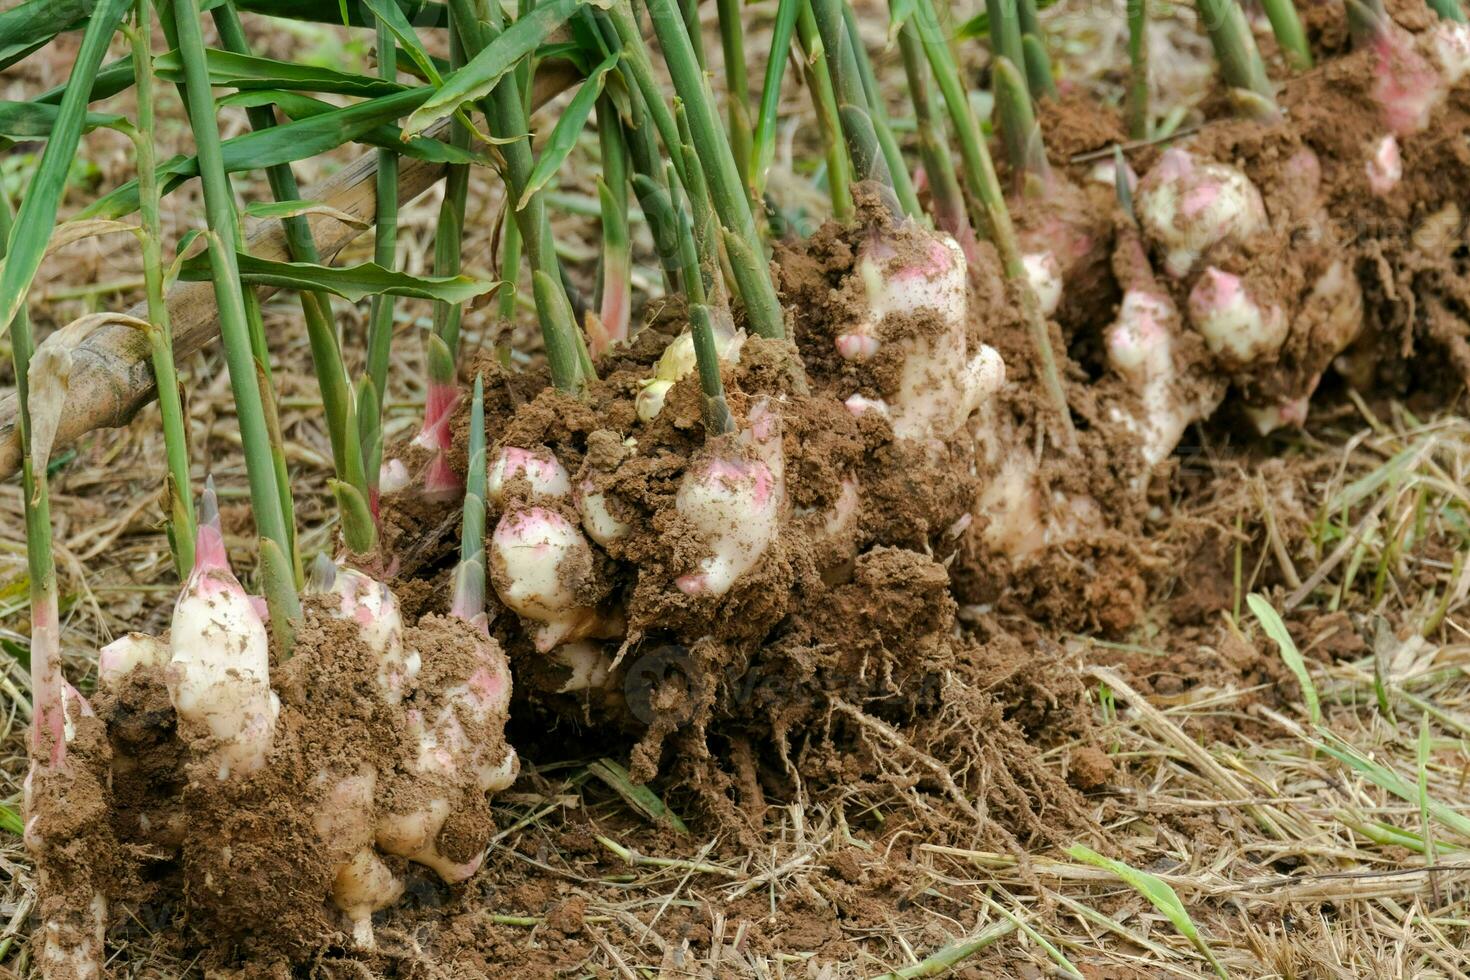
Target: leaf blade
{"type": "Point", "coordinates": [354, 283]}
{"type": "Point", "coordinates": [37, 216]}
{"type": "Point", "coordinates": [1160, 894]}
{"type": "Point", "coordinates": [261, 149]}
{"type": "Point", "coordinates": [494, 61]}
{"type": "Point", "coordinates": [1271, 622]}
{"type": "Point", "coordinates": [568, 128]}
{"type": "Point", "coordinates": [250, 72]}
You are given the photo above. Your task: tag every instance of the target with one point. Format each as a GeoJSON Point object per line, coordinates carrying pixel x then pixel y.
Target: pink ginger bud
{"type": "Point", "coordinates": [415, 836]}
{"type": "Point", "coordinates": [1232, 322]}
{"type": "Point", "coordinates": [219, 669]}
{"type": "Point", "coordinates": [860, 405]}
{"type": "Point", "coordinates": [598, 520]}
{"type": "Point", "coordinates": [589, 666]}
{"type": "Point", "coordinates": [392, 476]}
{"type": "Point", "coordinates": [1406, 86]}
{"type": "Point", "coordinates": [373, 608]}
{"type": "Point", "coordinates": [1045, 275]}
{"type": "Point", "coordinates": [538, 559]}
{"type": "Point", "coordinates": [440, 480]}
{"type": "Point", "coordinates": [50, 725]}
{"type": "Point", "coordinates": [127, 653]}
{"type": "Point", "coordinates": [1385, 167]}
{"type": "Point", "coordinates": [1187, 207]}
{"type": "Point", "coordinates": [539, 467]}
{"type": "Point", "coordinates": [1139, 343]}
{"type": "Point", "coordinates": [1288, 411]}
{"type": "Point", "coordinates": [732, 503]}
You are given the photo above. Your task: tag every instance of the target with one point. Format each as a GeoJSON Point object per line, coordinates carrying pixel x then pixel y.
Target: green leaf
{"type": "Point", "coordinates": [479, 76]}
{"type": "Point", "coordinates": [1388, 780]}
{"type": "Point", "coordinates": [353, 283]}
{"type": "Point", "coordinates": [114, 77]}
{"type": "Point", "coordinates": [281, 210]}
{"type": "Point", "coordinates": [248, 72]}
{"type": "Point", "coordinates": [1159, 894]}
{"type": "Point", "coordinates": [568, 128]}
{"type": "Point", "coordinates": [18, 651]}
{"type": "Point", "coordinates": [640, 798]}
{"type": "Point", "coordinates": [297, 106]}
{"type": "Point", "coordinates": [393, 18]}
{"type": "Point", "coordinates": [15, 53]}
{"type": "Point", "coordinates": [287, 143]}
{"type": "Point", "coordinates": [1271, 622]}
{"type": "Point", "coordinates": [359, 532]}
{"type": "Point", "coordinates": [37, 216]}
{"type": "Point", "coordinates": [764, 139]}
{"type": "Point", "coordinates": [979, 25]}
{"type": "Point", "coordinates": [32, 120]}
{"type": "Point", "coordinates": [31, 25]}
{"type": "Point", "coordinates": [420, 14]}
{"type": "Point", "coordinates": [11, 821]}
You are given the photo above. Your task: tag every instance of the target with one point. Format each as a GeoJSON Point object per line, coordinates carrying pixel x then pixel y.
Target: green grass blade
{"type": "Point", "coordinates": [1005, 33]}
{"type": "Point", "coordinates": [449, 230]}
{"type": "Point", "coordinates": [424, 15]}
{"type": "Point", "coordinates": [1290, 37]}
{"type": "Point", "coordinates": [737, 85]}
{"type": "Point", "coordinates": [1448, 10]}
{"type": "Point", "coordinates": [296, 106]}
{"type": "Point", "coordinates": [1389, 781]}
{"type": "Point", "coordinates": [898, 170]}
{"type": "Point", "coordinates": [819, 84]}
{"type": "Point", "coordinates": [35, 120]}
{"type": "Point", "coordinates": [246, 72]}
{"type": "Point", "coordinates": [476, 79]}
{"type": "Point", "coordinates": [1038, 66]}
{"type": "Point", "coordinates": [374, 385]}
{"type": "Point", "coordinates": [568, 128]}
{"type": "Point", "coordinates": [1235, 49]}
{"type": "Point", "coordinates": [941, 963]}
{"type": "Point", "coordinates": [20, 52]}
{"type": "Point", "coordinates": [979, 25]}
{"type": "Point", "coordinates": [764, 151]}
{"type": "Point", "coordinates": [1135, 104]}
{"type": "Point", "coordinates": [111, 78]}
{"type": "Point", "coordinates": [663, 224]}
{"type": "Point", "coordinates": [505, 110]}
{"type": "Point", "coordinates": [355, 282]}
{"type": "Point", "coordinates": [35, 22]}
{"type": "Point", "coordinates": [287, 143]}
{"type": "Point", "coordinates": [37, 216]}
{"type": "Point", "coordinates": [180, 522]}
{"type": "Point", "coordinates": [1159, 894]}
{"type": "Point", "coordinates": [469, 576]}
{"type": "Point", "coordinates": [1271, 622]}
{"type": "Point", "coordinates": [1426, 824]}
{"type": "Point", "coordinates": [280, 210]}
{"type": "Point", "coordinates": [640, 798]}
{"type": "Point", "coordinates": [762, 308]}
{"type": "Point", "coordinates": [390, 16]}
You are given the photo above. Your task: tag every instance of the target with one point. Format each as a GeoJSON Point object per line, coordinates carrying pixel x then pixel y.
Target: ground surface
{"type": "Point", "coordinates": [1296, 850]}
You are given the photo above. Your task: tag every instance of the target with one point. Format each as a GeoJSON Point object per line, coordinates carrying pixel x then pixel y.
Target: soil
{"type": "Point", "coordinates": [901, 652]}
